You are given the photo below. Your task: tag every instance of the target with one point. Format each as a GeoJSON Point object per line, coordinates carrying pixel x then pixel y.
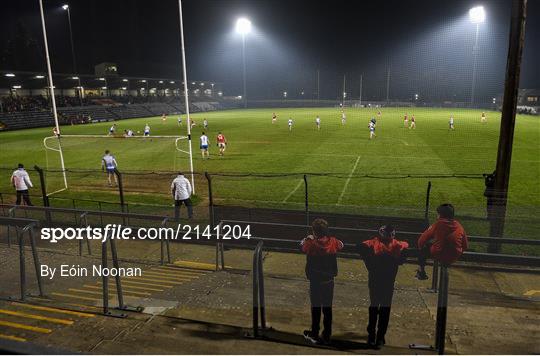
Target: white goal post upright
{"type": "Point", "coordinates": [51, 90]}
{"type": "Point", "coordinates": [186, 93]}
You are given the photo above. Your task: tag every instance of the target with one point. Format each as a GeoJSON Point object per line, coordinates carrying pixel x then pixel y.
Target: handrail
{"type": "Point", "coordinates": [27, 225]}
{"type": "Point", "coordinates": [258, 291]}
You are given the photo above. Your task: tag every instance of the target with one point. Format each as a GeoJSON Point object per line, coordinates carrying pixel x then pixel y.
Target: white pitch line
{"type": "Point", "coordinates": [293, 191]}
{"type": "Point", "coordinates": [348, 180]}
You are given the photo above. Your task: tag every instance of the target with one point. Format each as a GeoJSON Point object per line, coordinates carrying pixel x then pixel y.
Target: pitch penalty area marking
{"type": "Point", "coordinates": [293, 191]}
{"type": "Point", "coordinates": [348, 180]}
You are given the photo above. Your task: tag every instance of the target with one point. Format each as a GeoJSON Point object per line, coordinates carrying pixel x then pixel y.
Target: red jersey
{"type": "Point", "coordinates": [449, 240]}
{"type": "Point", "coordinates": [412, 118]}
{"type": "Point", "coordinates": [405, 118]}
{"type": "Point", "coordinates": [221, 138]}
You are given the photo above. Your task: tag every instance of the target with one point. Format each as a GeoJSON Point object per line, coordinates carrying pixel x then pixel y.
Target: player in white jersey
{"type": "Point", "coordinates": [274, 117]}
{"type": "Point", "coordinates": [179, 120]}
{"type": "Point", "coordinates": [112, 130]}
{"type": "Point", "coordinates": [318, 122]}
{"type": "Point", "coordinates": [204, 146]}
{"type": "Point", "coordinates": [146, 130]}
{"type": "Point", "coordinates": [451, 122]}
{"type": "Point", "coordinates": [205, 123]}
{"type": "Point", "coordinates": [484, 118]}
{"type": "Point", "coordinates": [164, 118]}
{"type": "Point", "coordinates": [109, 164]}
{"type": "Point", "coordinates": [343, 118]}
{"type": "Point", "coordinates": [290, 123]}
{"type": "Point", "coordinates": [371, 127]}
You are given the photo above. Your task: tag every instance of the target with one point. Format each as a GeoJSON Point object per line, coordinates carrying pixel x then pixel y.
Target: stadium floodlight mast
{"type": "Point", "coordinates": [51, 89]}
{"type": "Point", "coordinates": [477, 15]}
{"type": "Point", "coordinates": [186, 93]}
{"type": "Point", "coordinates": [66, 8]}
{"type": "Point", "coordinates": [243, 27]}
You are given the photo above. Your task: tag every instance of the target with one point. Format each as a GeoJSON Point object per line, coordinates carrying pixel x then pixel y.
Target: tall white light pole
{"type": "Point", "coordinates": [477, 15]}
{"type": "Point", "coordinates": [51, 90]}
{"type": "Point", "coordinates": [243, 27]}
{"type": "Point", "coordinates": [184, 71]}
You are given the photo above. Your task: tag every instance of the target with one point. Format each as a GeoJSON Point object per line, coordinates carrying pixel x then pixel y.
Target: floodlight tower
{"type": "Point", "coordinates": [243, 27]}
{"type": "Point", "coordinates": [477, 15]}
{"type": "Point", "coordinates": [65, 7]}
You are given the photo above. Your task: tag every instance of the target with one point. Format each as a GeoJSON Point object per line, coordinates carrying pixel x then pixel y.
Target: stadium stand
{"type": "Point", "coordinates": [25, 119]}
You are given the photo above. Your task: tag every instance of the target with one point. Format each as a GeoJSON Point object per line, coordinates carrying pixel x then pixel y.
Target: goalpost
{"type": "Point", "coordinates": [48, 144]}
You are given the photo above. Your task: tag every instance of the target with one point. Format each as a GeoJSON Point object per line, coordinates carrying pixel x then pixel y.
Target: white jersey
{"type": "Point", "coordinates": [371, 126]}
{"type": "Point", "coordinates": [343, 117]}
{"type": "Point", "coordinates": [290, 122]}
{"type": "Point", "coordinates": [147, 129]}
{"type": "Point", "coordinates": [318, 121]}
{"type": "Point", "coordinates": [205, 123]}
{"type": "Point", "coordinates": [21, 180]}
{"type": "Point", "coordinates": [451, 121]}
{"type": "Point", "coordinates": [181, 188]}
{"type": "Point", "coordinates": [204, 140]}
{"type": "Point", "coordinates": [130, 133]}
{"type": "Point", "coordinates": [112, 129]}
{"type": "Point", "coordinates": [110, 162]}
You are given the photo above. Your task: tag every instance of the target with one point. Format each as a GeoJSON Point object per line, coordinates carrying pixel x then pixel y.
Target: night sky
{"type": "Point", "coordinates": [427, 45]}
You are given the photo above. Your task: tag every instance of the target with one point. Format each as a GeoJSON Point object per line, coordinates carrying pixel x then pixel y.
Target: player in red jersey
{"type": "Point", "coordinates": [221, 143]}
{"type": "Point", "coordinates": [413, 122]}
{"type": "Point", "coordinates": [406, 121]}
{"type": "Point", "coordinates": [274, 118]}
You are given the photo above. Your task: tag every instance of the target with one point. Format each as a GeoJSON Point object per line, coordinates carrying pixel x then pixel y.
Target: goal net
{"type": "Point", "coordinates": [83, 155]}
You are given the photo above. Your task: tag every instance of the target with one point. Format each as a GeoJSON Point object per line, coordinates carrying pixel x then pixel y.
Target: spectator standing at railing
{"type": "Point", "coordinates": [382, 256]}
{"type": "Point", "coordinates": [445, 240]}
{"type": "Point", "coordinates": [21, 182]}
{"type": "Point", "coordinates": [181, 192]}
{"type": "Point", "coordinates": [321, 268]}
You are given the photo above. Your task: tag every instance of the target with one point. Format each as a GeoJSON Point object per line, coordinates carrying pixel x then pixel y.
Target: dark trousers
{"type": "Point", "coordinates": [178, 204]}
{"type": "Point", "coordinates": [423, 254]}
{"type": "Point", "coordinates": [321, 295]}
{"type": "Point", "coordinates": [380, 297]}
{"type": "Point", "coordinates": [25, 196]}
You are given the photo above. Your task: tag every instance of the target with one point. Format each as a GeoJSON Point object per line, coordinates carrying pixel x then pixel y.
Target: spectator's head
{"type": "Point", "coordinates": [387, 232]}
{"type": "Point", "coordinates": [107, 152]}
{"type": "Point", "coordinates": [446, 211]}
{"type": "Point", "coordinates": [320, 228]}
{"type": "Point", "coordinates": [20, 165]}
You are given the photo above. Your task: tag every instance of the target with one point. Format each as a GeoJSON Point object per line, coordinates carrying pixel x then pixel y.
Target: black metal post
{"type": "Point", "coordinates": [35, 255]}
{"type": "Point", "coordinates": [306, 199]}
{"type": "Point", "coordinates": [262, 304]}
{"type": "Point", "coordinates": [442, 309]}
{"type": "Point", "coordinates": [121, 193]}
{"type": "Point", "coordinates": [508, 118]}
{"type": "Point", "coordinates": [44, 192]}
{"type": "Point", "coordinates": [428, 195]}
{"type": "Point", "coordinates": [116, 265]}
{"type": "Point", "coordinates": [105, 278]}
{"type": "Point", "coordinates": [435, 277]}
{"type": "Point", "coordinates": [256, 293]}
{"type": "Point", "coordinates": [22, 269]}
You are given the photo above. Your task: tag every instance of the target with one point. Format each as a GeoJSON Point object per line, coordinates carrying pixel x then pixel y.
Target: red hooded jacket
{"type": "Point", "coordinates": [321, 260]}
{"type": "Point", "coordinates": [449, 240]}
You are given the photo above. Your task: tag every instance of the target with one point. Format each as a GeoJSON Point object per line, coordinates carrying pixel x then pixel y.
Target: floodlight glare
{"type": "Point", "coordinates": [65, 7]}
{"type": "Point", "coordinates": [11, 75]}
{"type": "Point", "coordinates": [243, 26]}
{"type": "Point", "coordinates": [477, 14]}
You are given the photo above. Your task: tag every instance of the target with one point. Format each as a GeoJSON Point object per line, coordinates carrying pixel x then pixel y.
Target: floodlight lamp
{"type": "Point", "coordinates": [125, 80]}
{"type": "Point", "coordinates": [243, 26]}
{"type": "Point", "coordinates": [10, 75]}
{"type": "Point", "coordinates": [39, 76]}
{"type": "Point", "coordinates": [65, 6]}
{"type": "Point", "coordinates": [477, 14]}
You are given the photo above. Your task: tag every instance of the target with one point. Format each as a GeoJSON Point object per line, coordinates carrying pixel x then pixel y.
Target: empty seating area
{"type": "Point", "coordinates": [25, 119]}
{"type": "Point", "coordinates": [130, 111]}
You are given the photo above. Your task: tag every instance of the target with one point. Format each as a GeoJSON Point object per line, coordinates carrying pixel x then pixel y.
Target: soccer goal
{"type": "Point", "coordinates": [134, 153]}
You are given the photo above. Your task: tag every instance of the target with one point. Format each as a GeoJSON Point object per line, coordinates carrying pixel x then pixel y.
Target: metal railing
{"type": "Point", "coordinates": [23, 226]}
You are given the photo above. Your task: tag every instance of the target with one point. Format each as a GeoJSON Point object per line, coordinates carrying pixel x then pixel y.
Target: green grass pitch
{"type": "Point", "coordinates": [257, 146]}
